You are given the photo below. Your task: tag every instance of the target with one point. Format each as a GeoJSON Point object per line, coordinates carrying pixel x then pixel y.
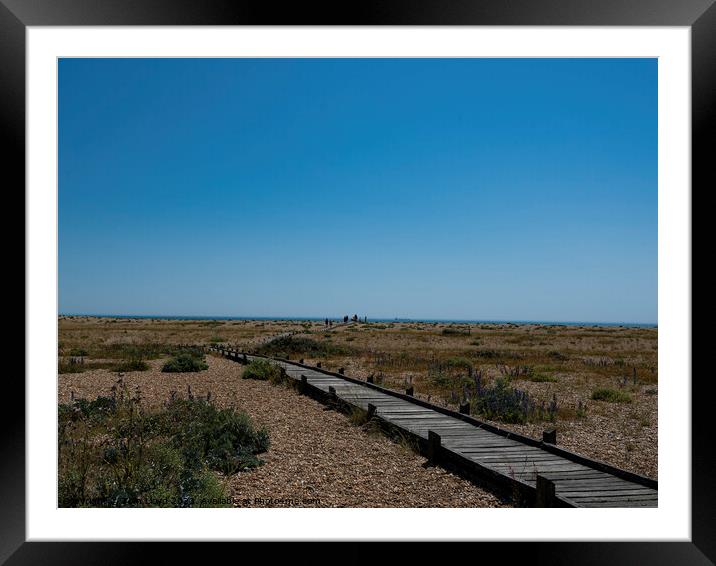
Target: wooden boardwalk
{"type": "Point", "coordinates": [543, 474]}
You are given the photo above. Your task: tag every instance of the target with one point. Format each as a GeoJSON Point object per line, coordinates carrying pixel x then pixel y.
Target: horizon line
{"type": "Point", "coordinates": [372, 319]}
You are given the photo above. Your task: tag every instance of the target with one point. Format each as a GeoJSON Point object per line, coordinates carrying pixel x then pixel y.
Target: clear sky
{"type": "Point", "coordinates": [492, 189]}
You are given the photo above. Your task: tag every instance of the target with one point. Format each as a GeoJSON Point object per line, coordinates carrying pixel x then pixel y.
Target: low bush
{"type": "Point", "coordinates": [139, 350]}
{"type": "Point", "coordinates": [502, 402]}
{"type": "Point", "coordinates": [487, 354]}
{"type": "Point", "coordinates": [132, 365]}
{"type": "Point", "coordinates": [541, 378]}
{"type": "Point", "coordinates": [185, 362]}
{"type": "Point", "coordinates": [78, 352]}
{"type": "Point", "coordinates": [557, 355]}
{"type": "Point", "coordinates": [114, 453]}
{"type": "Point", "coordinates": [263, 370]}
{"type": "Point", "coordinates": [287, 346]}
{"type": "Point", "coordinates": [71, 365]}
{"type": "Point", "coordinates": [455, 331]}
{"type": "Point", "coordinates": [611, 395]}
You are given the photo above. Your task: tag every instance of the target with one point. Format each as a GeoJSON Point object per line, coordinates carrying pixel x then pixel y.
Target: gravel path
{"type": "Point", "coordinates": [317, 457]}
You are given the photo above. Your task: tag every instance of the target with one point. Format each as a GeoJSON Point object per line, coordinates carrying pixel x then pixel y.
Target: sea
{"type": "Point", "coordinates": [381, 320]}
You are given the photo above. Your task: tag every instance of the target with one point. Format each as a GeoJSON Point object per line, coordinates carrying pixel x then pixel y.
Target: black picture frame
{"type": "Point", "coordinates": [699, 15]}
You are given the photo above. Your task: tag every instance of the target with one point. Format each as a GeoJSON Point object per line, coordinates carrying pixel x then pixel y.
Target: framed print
{"type": "Point", "coordinates": [412, 274]}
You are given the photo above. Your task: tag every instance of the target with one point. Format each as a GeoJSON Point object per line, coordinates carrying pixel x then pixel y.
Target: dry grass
{"type": "Point", "coordinates": [566, 362]}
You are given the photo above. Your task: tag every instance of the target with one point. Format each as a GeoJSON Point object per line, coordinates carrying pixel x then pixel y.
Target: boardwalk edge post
{"type": "Point", "coordinates": [433, 446]}
{"type": "Point", "coordinates": [332, 395]}
{"type": "Point", "coordinates": [545, 492]}
{"type": "Point", "coordinates": [549, 436]}
{"type": "Point", "coordinates": [371, 410]}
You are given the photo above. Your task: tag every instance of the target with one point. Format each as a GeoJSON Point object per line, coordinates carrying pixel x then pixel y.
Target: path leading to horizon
{"type": "Point", "coordinates": [487, 452]}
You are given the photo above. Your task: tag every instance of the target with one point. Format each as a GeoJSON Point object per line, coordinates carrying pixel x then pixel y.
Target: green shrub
{"type": "Point", "coordinates": [459, 363]}
{"type": "Point", "coordinates": [217, 339]}
{"type": "Point", "coordinates": [455, 331]}
{"type": "Point", "coordinates": [132, 365]}
{"type": "Point", "coordinates": [541, 378]}
{"type": "Point", "coordinates": [222, 439]}
{"type": "Point", "coordinates": [139, 350]}
{"type": "Point", "coordinates": [71, 365]}
{"type": "Point", "coordinates": [185, 362]}
{"type": "Point", "coordinates": [487, 354]}
{"type": "Point", "coordinates": [502, 402]}
{"type": "Point", "coordinates": [78, 352]}
{"type": "Point", "coordinates": [263, 370]}
{"type": "Point", "coordinates": [113, 453]}
{"type": "Point", "coordinates": [304, 347]}
{"type": "Point", "coordinates": [611, 395]}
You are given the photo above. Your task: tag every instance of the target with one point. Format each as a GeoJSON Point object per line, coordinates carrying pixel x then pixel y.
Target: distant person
{"type": "Point", "coordinates": [345, 318]}
{"type": "Point", "coordinates": [355, 318]}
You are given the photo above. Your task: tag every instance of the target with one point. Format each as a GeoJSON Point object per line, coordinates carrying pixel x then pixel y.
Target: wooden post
{"type": "Point", "coordinates": [409, 390]}
{"type": "Point", "coordinates": [464, 408]}
{"type": "Point", "coordinates": [433, 446]}
{"type": "Point", "coordinates": [318, 364]}
{"type": "Point", "coordinates": [370, 379]}
{"type": "Point", "coordinates": [300, 361]}
{"type": "Point", "coordinates": [549, 436]}
{"type": "Point", "coordinates": [371, 410]}
{"type": "Point", "coordinates": [341, 370]}
{"type": "Point", "coordinates": [545, 492]}
{"type": "Point", "coordinates": [332, 394]}
{"type": "Point", "coordinates": [304, 385]}
{"type": "Point", "coordinates": [245, 360]}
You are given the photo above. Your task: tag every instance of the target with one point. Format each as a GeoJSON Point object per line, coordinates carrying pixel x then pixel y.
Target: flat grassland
{"type": "Point", "coordinates": [597, 385]}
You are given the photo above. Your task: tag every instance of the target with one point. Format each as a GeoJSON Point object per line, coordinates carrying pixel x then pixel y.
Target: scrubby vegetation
{"type": "Point", "coordinates": [455, 331]}
{"type": "Point", "coordinates": [131, 365]}
{"type": "Point", "coordinates": [263, 370]}
{"type": "Point", "coordinates": [542, 360]}
{"type": "Point", "coordinates": [502, 402]}
{"type": "Point", "coordinates": [114, 453]}
{"type": "Point", "coordinates": [611, 395]}
{"type": "Point", "coordinates": [536, 377]}
{"type": "Point", "coordinates": [190, 360]}
{"type": "Point", "coordinates": [288, 346]}
{"type": "Point", "coordinates": [79, 365]}
{"type": "Point", "coordinates": [71, 365]}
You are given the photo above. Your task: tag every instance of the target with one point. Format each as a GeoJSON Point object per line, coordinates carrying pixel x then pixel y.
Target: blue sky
{"type": "Point", "coordinates": [508, 189]}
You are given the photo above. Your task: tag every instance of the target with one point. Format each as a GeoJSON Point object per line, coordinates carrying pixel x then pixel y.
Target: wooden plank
{"type": "Point", "coordinates": [600, 484]}
{"type": "Point", "coordinates": [620, 504]}
{"type": "Point", "coordinates": [613, 498]}
{"type": "Point", "coordinates": [605, 492]}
